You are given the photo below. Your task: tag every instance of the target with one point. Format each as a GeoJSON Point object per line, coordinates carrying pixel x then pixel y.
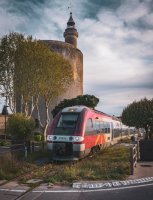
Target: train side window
{"type": "Point", "coordinates": [108, 127]}
{"type": "Point", "coordinates": [103, 130]}
{"type": "Point", "coordinates": [97, 125]}
{"type": "Point", "coordinates": [105, 127]}
{"type": "Point", "coordinates": [89, 127]}
{"type": "Point", "coordinates": [102, 127]}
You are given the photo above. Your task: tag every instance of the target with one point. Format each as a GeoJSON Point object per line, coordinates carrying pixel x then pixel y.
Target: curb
{"type": "Point", "coordinates": [111, 184]}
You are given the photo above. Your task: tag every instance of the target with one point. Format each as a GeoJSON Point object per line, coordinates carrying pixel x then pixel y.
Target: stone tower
{"type": "Point", "coordinates": [70, 52]}
{"type": "Point", "coordinates": [71, 33]}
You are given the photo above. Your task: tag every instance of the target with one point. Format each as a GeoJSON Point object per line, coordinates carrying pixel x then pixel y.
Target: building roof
{"type": "Point", "coordinates": [71, 21]}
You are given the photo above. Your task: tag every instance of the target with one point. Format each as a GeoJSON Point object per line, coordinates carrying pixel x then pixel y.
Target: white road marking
{"type": "Point", "coordinates": [93, 187]}
{"type": "Point", "coordinates": [111, 183]}
{"type": "Point", "coordinates": [12, 190]}
{"type": "Point", "coordinates": [93, 190]}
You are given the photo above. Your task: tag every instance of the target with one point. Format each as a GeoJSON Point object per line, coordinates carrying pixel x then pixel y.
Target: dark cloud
{"type": "Point", "coordinates": [115, 37]}
{"type": "Point", "coordinates": [26, 7]}
{"type": "Point", "coordinates": [27, 13]}
{"type": "Point", "coordinates": [93, 7]}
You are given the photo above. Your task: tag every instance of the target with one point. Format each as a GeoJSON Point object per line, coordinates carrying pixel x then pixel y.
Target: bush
{"type": "Point", "coordinates": [20, 127]}
{"type": "Point", "coordinates": [37, 136]}
{"type": "Point", "coordinates": [2, 143]}
{"type": "Point", "coordinates": [5, 143]}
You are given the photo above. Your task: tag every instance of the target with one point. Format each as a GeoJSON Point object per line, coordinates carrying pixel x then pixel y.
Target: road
{"type": "Point", "coordinates": [133, 192]}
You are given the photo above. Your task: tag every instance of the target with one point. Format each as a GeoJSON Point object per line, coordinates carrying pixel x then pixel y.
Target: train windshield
{"type": "Point", "coordinates": [67, 124]}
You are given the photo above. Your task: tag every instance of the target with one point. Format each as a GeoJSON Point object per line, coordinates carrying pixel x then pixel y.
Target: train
{"type": "Point", "coordinates": [77, 131]}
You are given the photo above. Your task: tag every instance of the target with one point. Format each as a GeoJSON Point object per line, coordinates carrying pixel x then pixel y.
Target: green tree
{"type": "Point", "coordinates": [86, 100]}
{"type": "Point", "coordinates": [140, 115]}
{"type": "Point", "coordinates": [55, 79]}
{"type": "Point", "coordinates": [30, 71]}
{"type": "Point", "coordinates": [8, 46]}
{"type": "Point", "coordinates": [27, 73]}
{"type": "Point", "coordinates": [20, 127]}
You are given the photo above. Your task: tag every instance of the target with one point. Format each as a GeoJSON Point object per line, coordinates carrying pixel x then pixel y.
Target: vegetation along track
{"type": "Point", "coordinates": [41, 172]}
{"type": "Point", "coordinates": [111, 163]}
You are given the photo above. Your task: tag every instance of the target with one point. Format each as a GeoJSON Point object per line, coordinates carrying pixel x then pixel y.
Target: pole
{"type": "Point", "coordinates": [5, 127]}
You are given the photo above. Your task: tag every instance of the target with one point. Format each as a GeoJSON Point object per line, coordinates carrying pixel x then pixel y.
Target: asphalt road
{"type": "Point", "coordinates": [136, 192]}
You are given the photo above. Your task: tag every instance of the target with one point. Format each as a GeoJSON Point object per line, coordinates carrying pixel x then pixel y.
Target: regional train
{"type": "Point", "coordinates": [76, 131]}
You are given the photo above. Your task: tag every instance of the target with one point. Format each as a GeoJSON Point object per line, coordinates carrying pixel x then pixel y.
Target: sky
{"type": "Point", "coordinates": [115, 37]}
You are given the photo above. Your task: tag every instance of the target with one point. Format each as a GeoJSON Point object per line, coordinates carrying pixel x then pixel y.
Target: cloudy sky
{"type": "Point", "coordinates": [115, 36]}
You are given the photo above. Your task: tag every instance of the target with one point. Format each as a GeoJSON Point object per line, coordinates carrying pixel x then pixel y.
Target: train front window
{"type": "Point", "coordinates": [67, 124]}
{"type": "Point", "coordinates": [68, 120]}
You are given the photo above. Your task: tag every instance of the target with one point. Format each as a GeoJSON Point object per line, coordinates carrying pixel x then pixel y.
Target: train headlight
{"type": "Point", "coordinates": [76, 139]}
{"type": "Point", "coordinates": [50, 138]}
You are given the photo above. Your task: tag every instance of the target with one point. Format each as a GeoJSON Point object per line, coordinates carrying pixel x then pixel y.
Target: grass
{"type": "Point", "coordinates": [110, 164]}
{"type": "Point", "coordinates": [15, 164]}
{"type": "Point", "coordinates": [33, 157]}
{"type": "Point", "coordinates": [11, 167]}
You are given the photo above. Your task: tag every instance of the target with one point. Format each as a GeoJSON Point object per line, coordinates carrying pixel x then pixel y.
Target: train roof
{"type": "Point", "coordinates": [100, 112]}
{"type": "Point", "coordinates": [74, 109]}
{"type": "Point", "coordinates": [79, 108]}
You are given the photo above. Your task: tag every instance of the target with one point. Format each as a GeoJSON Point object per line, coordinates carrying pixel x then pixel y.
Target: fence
{"type": "Point", "coordinates": [135, 156]}
{"type": "Point", "coordinates": [19, 157]}
{"type": "Point", "coordinates": [20, 149]}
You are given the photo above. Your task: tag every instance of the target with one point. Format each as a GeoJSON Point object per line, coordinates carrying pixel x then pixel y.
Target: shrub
{"type": "Point", "coordinates": [2, 143]}
{"type": "Point", "coordinates": [20, 126]}
{"type": "Point", "coordinates": [37, 136]}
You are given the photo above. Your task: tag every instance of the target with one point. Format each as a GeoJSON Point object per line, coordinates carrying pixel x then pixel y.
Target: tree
{"type": "Point", "coordinates": [86, 100]}
{"type": "Point", "coordinates": [29, 70]}
{"type": "Point", "coordinates": [56, 78]}
{"type": "Point", "coordinates": [140, 115]}
{"type": "Point", "coordinates": [28, 73]}
{"type": "Point", "coordinates": [8, 45]}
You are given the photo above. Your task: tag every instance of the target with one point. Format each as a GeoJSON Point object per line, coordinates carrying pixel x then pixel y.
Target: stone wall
{"type": "Point", "coordinates": [75, 57]}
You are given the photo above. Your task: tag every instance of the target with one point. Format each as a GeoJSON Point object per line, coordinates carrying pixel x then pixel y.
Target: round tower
{"type": "Point", "coordinates": [70, 52]}
{"type": "Point", "coordinates": [71, 33]}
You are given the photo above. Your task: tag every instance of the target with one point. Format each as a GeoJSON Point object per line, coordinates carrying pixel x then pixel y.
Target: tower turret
{"type": "Point", "coordinates": [71, 33]}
